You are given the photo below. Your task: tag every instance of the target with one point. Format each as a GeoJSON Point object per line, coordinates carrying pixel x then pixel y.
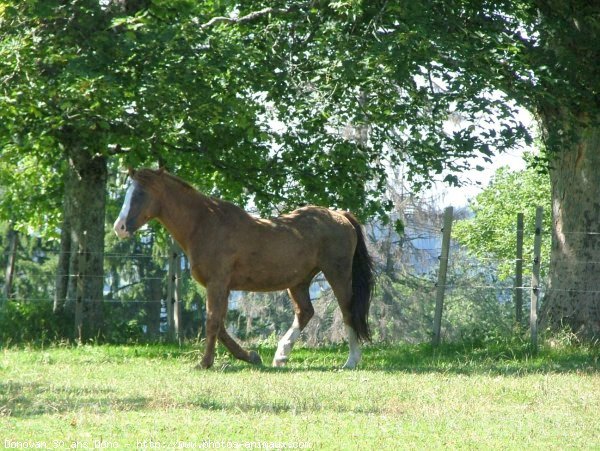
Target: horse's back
{"type": "Point", "coordinates": [316, 223]}
{"type": "Point", "coordinates": [325, 233]}
{"type": "Point", "coordinates": [281, 252]}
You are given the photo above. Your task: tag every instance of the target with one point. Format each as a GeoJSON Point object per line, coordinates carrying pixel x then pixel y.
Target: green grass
{"type": "Point", "coordinates": [402, 397]}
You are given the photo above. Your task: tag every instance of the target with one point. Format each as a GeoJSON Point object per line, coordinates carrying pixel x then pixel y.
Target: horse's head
{"type": "Point", "coordinates": [140, 205]}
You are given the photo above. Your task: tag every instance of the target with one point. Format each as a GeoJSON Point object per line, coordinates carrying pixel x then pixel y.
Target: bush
{"type": "Point", "coordinates": [28, 322]}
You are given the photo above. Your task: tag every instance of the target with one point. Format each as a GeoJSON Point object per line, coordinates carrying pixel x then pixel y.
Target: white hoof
{"type": "Point", "coordinates": [279, 363]}
{"type": "Point", "coordinates": [349, 365]}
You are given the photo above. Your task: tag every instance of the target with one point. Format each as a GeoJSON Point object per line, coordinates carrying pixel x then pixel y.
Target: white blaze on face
{"type": "Point", "coordinates": [120, 226]}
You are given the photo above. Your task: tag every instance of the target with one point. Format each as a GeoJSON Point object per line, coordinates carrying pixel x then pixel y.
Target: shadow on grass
{"type": "Point", "coordinates": [31, 400]}
{"type": "Point", "coordinates": [464, 359]}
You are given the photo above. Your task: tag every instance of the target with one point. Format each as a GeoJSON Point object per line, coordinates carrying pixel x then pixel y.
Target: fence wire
{"type": "Point", "coordinates": [465, 274]}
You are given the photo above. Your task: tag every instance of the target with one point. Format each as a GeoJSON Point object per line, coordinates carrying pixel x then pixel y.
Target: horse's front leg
{"type": "Point", "coordinates": [216, 308]}
{"type": "Point", "coordinates": [237, 351]}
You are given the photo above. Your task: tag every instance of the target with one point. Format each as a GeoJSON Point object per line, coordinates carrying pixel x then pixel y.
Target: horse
{"type": "Point", "coordinates": [229, 249]}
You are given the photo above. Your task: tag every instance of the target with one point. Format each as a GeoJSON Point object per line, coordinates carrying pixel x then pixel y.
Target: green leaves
{"type": "Point", "coordinates": [308, 103]}
{"type": "Point", "coordinates": [492, 231]}
{"type": "Point", "coordinates": [30, 192]}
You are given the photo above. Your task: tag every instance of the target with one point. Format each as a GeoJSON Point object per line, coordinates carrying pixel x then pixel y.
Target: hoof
{"type": "Point", "coordinates": [204, 364]}
{"type": "Point", "coordinates": [254, 358]}
{"type": "Point", "coordinates": [279, 363]}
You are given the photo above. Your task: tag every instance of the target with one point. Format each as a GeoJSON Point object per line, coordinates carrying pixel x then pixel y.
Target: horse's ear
{"type": "Point", "coordinates": [161, 170]}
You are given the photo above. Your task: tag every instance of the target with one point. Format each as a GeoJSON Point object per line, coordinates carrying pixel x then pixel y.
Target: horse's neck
{"type": "Point", "coordinates": [182, 212]}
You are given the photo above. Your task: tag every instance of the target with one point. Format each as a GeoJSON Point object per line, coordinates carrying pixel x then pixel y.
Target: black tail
{"type": "Point", "coordinates": [362, 283]}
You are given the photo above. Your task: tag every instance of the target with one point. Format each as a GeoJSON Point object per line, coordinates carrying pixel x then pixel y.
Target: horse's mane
{"type": "Point", "coordinates": [149, 177]}
{"type": "Point", "coordinates": [154, 179]}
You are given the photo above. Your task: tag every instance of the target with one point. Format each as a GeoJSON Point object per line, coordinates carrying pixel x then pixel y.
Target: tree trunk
{"type": "Point", "coordinates": [64, 257]}
{"type": "Point", "coordinates": [87, 196]}
{"type": "Point", "coordinates": [13, 241]}
{"type": "Point", "coordinates": [155, 289]}
{"type": "Point", "coordinates": [154, 293]}
{"type": "Point", "coordinates": [573, 296]}
{"type": "Point", "coordinates": [62, 271]}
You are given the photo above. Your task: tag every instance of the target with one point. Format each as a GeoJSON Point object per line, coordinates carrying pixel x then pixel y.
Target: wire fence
{"type": "Point", "coordinates": [140, 280]}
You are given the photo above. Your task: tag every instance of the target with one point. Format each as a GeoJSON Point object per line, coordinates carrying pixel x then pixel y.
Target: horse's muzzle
{"type": "Point", "coordinates": [120, 228]}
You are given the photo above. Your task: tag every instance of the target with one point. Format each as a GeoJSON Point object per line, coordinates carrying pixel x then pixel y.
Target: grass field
{"type": "Point", "coordinates": [402, 397]}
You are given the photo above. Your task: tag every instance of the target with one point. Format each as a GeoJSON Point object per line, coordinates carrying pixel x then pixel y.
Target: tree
{"type": "Point", "coordinates": [53, 101]}
{"type": "Point", "coordinates": [354, 86]}
{"type": "Point", "coordinates": [558, 48]}
{"type": "Point", "coordinates": [405, 68]}
{"type": "Point", "coordinates": [491, 232]}
{"type": "Point", "coordinates": [477, 60]}
{"type": "Point", "coordinates": [29, 263]}
{"type": "Point", "coordinates": [86, 82]}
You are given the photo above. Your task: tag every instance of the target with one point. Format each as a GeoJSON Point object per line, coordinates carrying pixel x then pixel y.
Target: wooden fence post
{"type": "Point", "coordinates": [519, 272]}
{"type": "Point", "coordinates": [13, 241]}
{"type": "Point", "coordinates": [441, 282]}
{"type": "Point", "coordinates": [535, 278]}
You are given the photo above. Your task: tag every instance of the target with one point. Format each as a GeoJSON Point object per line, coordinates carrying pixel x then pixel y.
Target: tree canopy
{"type": "Point", "coordinates": [285, 104]}
{"type": "Point", "coordinates": [291, 102]}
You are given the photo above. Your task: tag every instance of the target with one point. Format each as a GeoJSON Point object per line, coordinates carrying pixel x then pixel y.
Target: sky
{"type": "Point", "coordinates": [476, 181]}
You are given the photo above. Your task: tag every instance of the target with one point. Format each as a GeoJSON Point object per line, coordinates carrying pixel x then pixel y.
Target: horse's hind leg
{"type": "Point", "coordinates": [304, 312]}
{"type": "Point", "coordinates": [341, 284]}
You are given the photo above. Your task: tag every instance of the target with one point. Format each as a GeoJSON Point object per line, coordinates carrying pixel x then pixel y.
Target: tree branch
{"type": "Point", "coordinates": [247, 18]}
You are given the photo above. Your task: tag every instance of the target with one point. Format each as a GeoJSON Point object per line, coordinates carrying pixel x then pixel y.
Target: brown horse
{"type": "Point", "coordinates": [228, 249]}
